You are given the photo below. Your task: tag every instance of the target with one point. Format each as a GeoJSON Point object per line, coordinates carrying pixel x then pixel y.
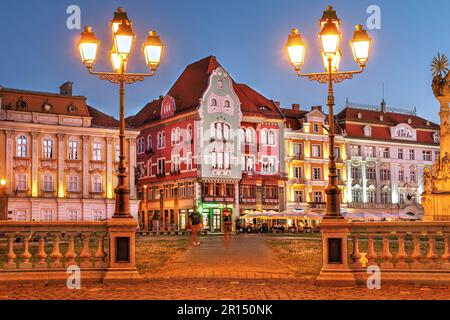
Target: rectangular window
{"type": "Point", "coordinates": [21, 182]}
{"type": "Point", "coordinates": [269, 164]}
{"type": "Point", "coordinates": [72, 215]}
{"type": "Point", "coordinates": [298, 150]}
{"type": "Point", "coordinates": [72, 150]}
{"type": "Point", "coordinates": [384, 153]}
{"type": "Point", "coordinates": [369, 152]}
{"type": "Point", "coordinates": [412, 154]}
{"type": "Point", "coordinates": [316, 151]}
{"type": "Point", "coordinates": [337, 153]}
{"type": "Point", "coordinates": [400, 153]}
{"type": "Point", "coordinates": [46, 215]}
{"type": "Point", "coordinates": [298, 196]}
{"type": "Point", "coordinates": [161, 166]}
{"type": "Point", "coordinates": [97, 151]}
{"type": "Point", "coordinates": [426, 155]}
{"type": "Point", "coordinates": [72, 184]}
{"type": "Point", "coordinates": [175, 163]}
{"type": "Point", "coordinates": [356, 173]}
{"type": "Point", "coordinates": [401, 175]}
{"type": "Point", "coordinates": [97, 184]}
{"type": "Point", "coordinates": [248, 163]}
{"type": "Point", "coordinates": [298, 172]}
{"type": "Point", "coordinates": [47, 183]}
{"type": "Point", "coordinates": [48, 149]}
{"type": "Point", "coordinates": [318, 197]}
{"type": "Point", "coordinates": [412, 176]}
{"type": "Point", "coordinates": [371, 196]}
{"type": "Point", "coordinates": [316, 128]}
{"type": "Point", "coordinates": [385, 174]}
{"type": "Point", "coordinates": [355, 151]}
{"type": "Point", "coordinates": [371, 174]}
{"type": "Point", "coordinates": [189, 161]}
{"type": "Point", "coordinates": [97, 215]}
{"type": "Point", "coordinates": [317, 174]}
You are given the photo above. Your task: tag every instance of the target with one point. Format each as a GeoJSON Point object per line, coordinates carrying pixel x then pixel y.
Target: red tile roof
{"type": "Point", "coordinates": [296, 118]}
{"type": "Point", "coordinates": [100, 119]}
{"type": "Point", "coordinates": [191, 85]}
{"type": "Point", "coordinates": [381, 128]}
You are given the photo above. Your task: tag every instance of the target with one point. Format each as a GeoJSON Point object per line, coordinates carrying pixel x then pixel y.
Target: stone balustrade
{"type": "Point", "coordinates": [404, 252]}
{"type": "Point", "coordinates": [45, 250]}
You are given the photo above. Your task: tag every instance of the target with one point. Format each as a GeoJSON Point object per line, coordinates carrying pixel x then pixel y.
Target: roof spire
{"type": "Point", "coordinates": [383, 102]}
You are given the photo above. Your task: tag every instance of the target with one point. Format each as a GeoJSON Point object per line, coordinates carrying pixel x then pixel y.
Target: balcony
{"type": "Point", "coordinates": [226, 199]}
{"type": "Point", "coordinates": [374, 206]}
{"type": "Point", "coordinates": [270, 200]}
{"type": "Point", "coordinates": [299, 180]}
{"type": "Point", "coordinates": [317, 205]}
{"type": "Point", "coordinates": [248, 200]}
{"type": "Point", "coordinates": [298, 157]}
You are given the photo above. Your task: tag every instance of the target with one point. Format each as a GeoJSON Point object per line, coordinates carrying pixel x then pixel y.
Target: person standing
{"type": "Point", "coordinates": [196, 226]}
{"type": "Point", "coordinates": [238, 226]}
{"type": "Point", "coordinates": [228, 225]}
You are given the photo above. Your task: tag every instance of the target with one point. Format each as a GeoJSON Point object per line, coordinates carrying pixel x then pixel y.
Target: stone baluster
{"type": "Point", "coordinates": [416, 256]}
{"type": "Point", "coordinates": [26, 255]}
{"type": "Point", "coordinates": [356, 255]}
{"type": "Point", "coordinates": [56, 255]}
{"type": "Point", "coordinates": [431, 257]}
{"type": "Point", "coordinates": [100, 254]}
{"type": "Point", "coordinates": [85, 253]}
{"type": "Point", "coordinates": [71, 254]}
{"type": "Point", "coordinates": [401, 255]}
{"type": "Point", "coordinates": [41, 255]}
{"type": "Point", "coordinates": [386, 255]}
{"type": "Point", "coordinates": [371, 254]}
{"type": "Point", "coordinates": [10, 256]}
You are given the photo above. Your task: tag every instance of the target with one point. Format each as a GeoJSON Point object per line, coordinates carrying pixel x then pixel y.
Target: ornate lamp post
{"type": "Point", "coordinates": [123, 38]}
{"type": "Point", "coordinates": [330, 38]}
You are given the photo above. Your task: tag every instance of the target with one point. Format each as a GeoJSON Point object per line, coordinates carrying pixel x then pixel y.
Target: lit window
{"type": "Point", "coordinates": [22, 147]}
{"type": "Point", "coordinates": [97, 151]}
{"type": "Point", "coordinates": [21, 182]}
{"type": "Point", "coordinates": [72, 150]}
{"type": "Point", "coordinates": [48, 149]}
{"type": "Point", "coordinates": [316, 152]}
{"type": "Point", "coordinates": [47, 183]}
{"type": "Point", "coordinates": [264, 137]}
{"type": "Point", "coordinates": [317, 174]}
{"type": "Point", "coordinates": [117, 153]}
{"type": "Point", "coordinates": [272, 138]}
{"type": "Point", "coordinates": [98, 215]}
{"type": "Point", "coordinates": [97, 184]}
{"type": "Point", "coordinates": [72, 215]}
{"type": "Point", "coordinates": [72, 184]}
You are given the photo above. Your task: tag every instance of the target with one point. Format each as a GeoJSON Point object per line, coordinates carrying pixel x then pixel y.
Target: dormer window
{"type": "Point", "coordinates": [381, 118]}
{"type": "Point", "coordinates": [367, 131]}
{"type": "Point", "coordinates": [436, 137]}
{"type": "Point", "coordinates": [403, 133]}
{"type": "Point", "coordinates": [359, 115]}
{"type": "Point", "coordinates": [220, 84]}
{"type": "Point", "coordinates": [409, 121]}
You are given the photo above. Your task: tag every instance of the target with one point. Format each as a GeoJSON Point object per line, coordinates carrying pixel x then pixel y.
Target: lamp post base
{"type": "Point", "coordinates": [333, 203]}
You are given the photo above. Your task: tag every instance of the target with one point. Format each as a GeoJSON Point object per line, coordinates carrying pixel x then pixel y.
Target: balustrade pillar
{"type": "Point", "coordinates": [401, 255]}
{"type": "Point", "coordinates": [26, 255]}
{"type": "Point", "coordinates": [71, 254]}
{"type": "Point", "coordinates": [41, 255]}
{"type": "Point", "coordinates": [431, 256]}
{"type": "Point", "coordinates": [10, 256]}
{"type": "Point", "coordinates": [387, 255]}
{"type": "Point", "coordinates": [85, 253]}
{"type": "Point", "coordinates": [371, 254]}
{"type": "Point", "coordinates": [416, 256]}
{"type": "Point", "coordinates": [100, 254]}
{"type": "Point", "coordinates": [56, 255]}
{"type": "Point", "coordinates": [356, 255]}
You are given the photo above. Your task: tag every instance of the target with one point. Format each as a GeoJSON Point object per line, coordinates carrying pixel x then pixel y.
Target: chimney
{"type": "Point", "coordinates": [66, 89]}
{"type": "Point", "coordinates": [316, 108]}
{"type": "Point", "coordinates": [296, 106]}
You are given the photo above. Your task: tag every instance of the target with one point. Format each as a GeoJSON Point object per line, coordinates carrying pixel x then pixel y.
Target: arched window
{"type": "Point", "coordinates": [367, 131]}
{"type": "Point", "coordinates": [22, 147]}
{"type": "Point", "coordinates": [149, 143]}
{"type": "Point", "coordinates": [371, 194]}
{"type": "Point", "coordinates": [356, 194]}
{"type": "Point", "coordinates": [173, 138]}
{"type": "Point", "coordinates": [189, 133]}
{"type": "Point", "coordinates": [242, 131]}
{"type": "Point", "coordinates": [264, 137]}
{"type": "Point", "coordinates": [226, 104]}
{"type": "Point", "coordinates": [161, 140]}
{"type": "Point", "coordinates": [385, 195]}
{"type": "Point", "coordinates": [214, 103]}
{"type": "Point", "coordinates": [272, 138]}
{"type": "Point", "coordinates": [250, 136]}
{"type": "Point", "coordinates": [220, 131]}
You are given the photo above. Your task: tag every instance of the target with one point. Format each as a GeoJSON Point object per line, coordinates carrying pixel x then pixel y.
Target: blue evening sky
{"type": "Point", "coordinates": [248, 38]}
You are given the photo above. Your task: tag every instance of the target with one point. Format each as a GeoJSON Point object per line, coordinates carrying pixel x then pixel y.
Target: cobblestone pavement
{"type": "Point", "coordinates": [243, 269]}
{"type": "Point", "coordinates": [219, 289]}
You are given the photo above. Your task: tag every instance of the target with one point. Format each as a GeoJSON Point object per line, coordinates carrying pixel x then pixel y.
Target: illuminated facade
{"type": "Point", "coordinates": [210, 145]}
{"type": "Point", "coordinates": [307, 158]}
{"type": "Point", "coordinates": [387, 152]}
{"type": "Point", "coordinates": [59, 157]}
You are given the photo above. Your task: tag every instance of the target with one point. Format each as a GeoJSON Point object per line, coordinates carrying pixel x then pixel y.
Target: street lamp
{"type": "Point", "coordinates": [330, 38]}
{"type": "Point", "coordinates": [123, 38]}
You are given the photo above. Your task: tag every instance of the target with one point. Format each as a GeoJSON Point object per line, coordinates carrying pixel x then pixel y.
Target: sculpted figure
{"type": "Point", "coordinates": [427, 181]}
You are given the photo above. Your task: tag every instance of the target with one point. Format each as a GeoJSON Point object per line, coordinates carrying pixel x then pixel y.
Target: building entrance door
{"type": "Point", "coordinates": [217, 220]}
